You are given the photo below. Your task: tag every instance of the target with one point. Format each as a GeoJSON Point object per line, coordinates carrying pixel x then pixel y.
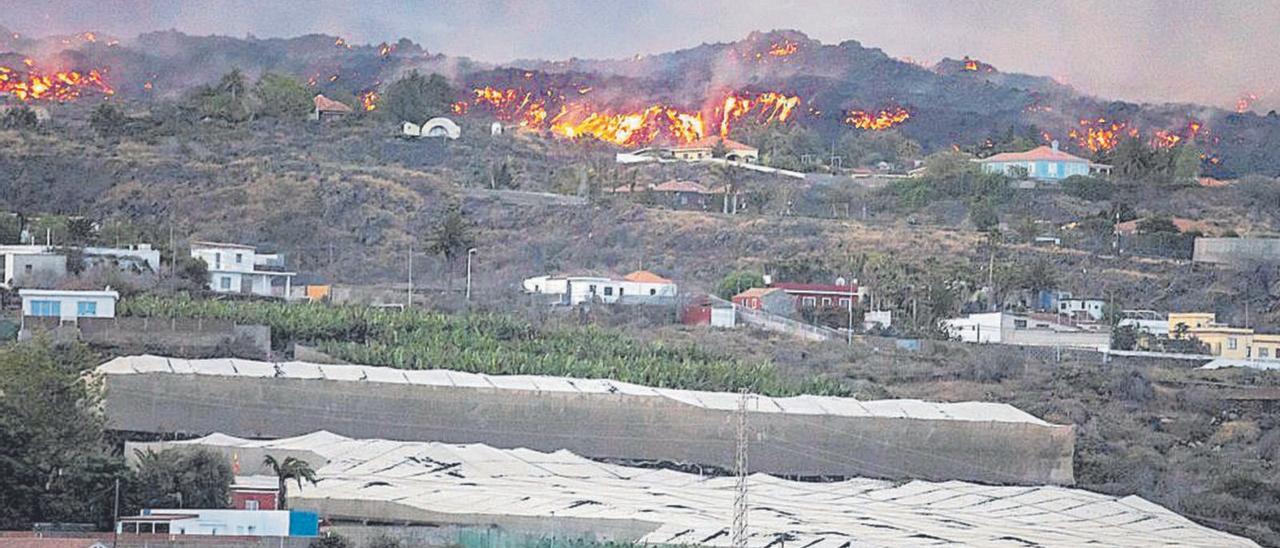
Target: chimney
{"type": "Point", "coordinates": [1055, 145]}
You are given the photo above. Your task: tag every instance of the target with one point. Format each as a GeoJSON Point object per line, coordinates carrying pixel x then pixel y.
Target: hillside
{"type": "Point", "coordinates": [956, 103]}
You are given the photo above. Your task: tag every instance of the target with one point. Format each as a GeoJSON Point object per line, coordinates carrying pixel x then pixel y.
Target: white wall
{"type": "Point", "coordinates": [976, 328]}
{"type": "Point", "coordinates": [265, 523]}
{"type": "Point", "coordinates": [69, 303]}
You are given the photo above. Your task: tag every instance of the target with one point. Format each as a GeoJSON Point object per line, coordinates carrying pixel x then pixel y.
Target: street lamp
{"type": "Point", "coordinates": [470, 253]}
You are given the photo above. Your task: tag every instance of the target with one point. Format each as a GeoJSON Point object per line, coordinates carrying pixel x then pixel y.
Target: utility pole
{"type": "Point", "coordinates": [115, 520]}
{"type": "Point", "coordinates": [739, 533]}
{"type": "Point", "coordinates": [470, 252]}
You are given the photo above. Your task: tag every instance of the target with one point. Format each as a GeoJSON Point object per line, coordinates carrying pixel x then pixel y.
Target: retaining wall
{"type": "Point", "coordinates": [600, 425]}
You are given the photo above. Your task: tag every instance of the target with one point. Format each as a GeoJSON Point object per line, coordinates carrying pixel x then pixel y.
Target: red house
{"type": "Point", "coordinates": [844, 296]}
{"type": "Point", "coordinates": [255, 493]}
{"type": "Point", "coordinates": [768, 299]}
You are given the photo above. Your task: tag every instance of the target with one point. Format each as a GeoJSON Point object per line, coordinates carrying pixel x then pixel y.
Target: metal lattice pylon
{"type": "Point", "coordinates": [739, 536]}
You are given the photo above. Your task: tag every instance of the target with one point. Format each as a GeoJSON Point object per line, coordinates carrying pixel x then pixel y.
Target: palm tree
{"type": "Point", "coordinates": [289, 469]}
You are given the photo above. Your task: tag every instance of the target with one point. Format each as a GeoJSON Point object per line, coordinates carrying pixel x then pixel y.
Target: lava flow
{"type": "Point", "coordinates": [1099, 135]}
{"type": "Point", "coordinates": [369, 100]}
{"type": "Point", "coordinates": [877, 121]}
{"type": "Point", "coordinates": [31, 84]}
{"type": "Point", "coordinates": [626, 126]}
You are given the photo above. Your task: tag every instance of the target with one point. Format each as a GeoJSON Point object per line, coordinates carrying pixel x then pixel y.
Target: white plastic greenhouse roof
{"type": "Point", "coordinates": [478, 484]}
{"type": "Point", "coordinates": [800, 405]}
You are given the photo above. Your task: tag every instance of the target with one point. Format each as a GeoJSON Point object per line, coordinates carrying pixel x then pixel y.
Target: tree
{"type": "Point", "coordinates": [108, 120]}
{"type": "Point", "coordinates": [20, 117]}
{"type": "Point", "coordinates": [80, 231]}
{"type": "Point", "coordinates": [10, 229]}
{"type": "Point", "coordinates": [193, 270]}
{"type": "Point", "coordinates": [183, 478]}
{"type": "Point", "coordinates": [233, 84]}
{"type": "Point", "coordinates": [55, 462]}
{"type": "Point", "coordinates": [450, 237]}
{"type": "Point", "coordinates": [290, 468]}
{"type": "Point", "coordinates": [737, 282]}
{"type": "Point", "coordinates": [417, 98]}
{"type": "Point", "coordinates": [984, 217]}
{"type": "Point", "coordinates": [500, 176]}
{"type": "Point", "coordinates": [1157, 225]}
{"type": "Point", "coordinates": [280, 96]}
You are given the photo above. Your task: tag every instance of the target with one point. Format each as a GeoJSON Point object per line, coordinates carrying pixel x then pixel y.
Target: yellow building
{"type": "Point", "coordinates": [1192, 320]}
{"type": "Point", "coordinates": [1224, 340]}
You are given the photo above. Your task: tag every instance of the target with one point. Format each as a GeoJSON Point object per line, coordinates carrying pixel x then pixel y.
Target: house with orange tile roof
{"type": "Point", "coordinates": [705, 148]}
{"type": "Point", "coordinates": [1045, 163]}
{"type": "Point", "coordinates": [639, 287]}
{"type": "Point", "coordinates": [326, 108]}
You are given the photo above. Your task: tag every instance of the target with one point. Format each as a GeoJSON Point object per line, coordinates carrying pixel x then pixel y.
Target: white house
{"type": "Point", "coordinates": [1076, 308]}
{"type": "Point", "coordinates": [37, 265]}
{"type": "Point", "coordinates": [68, 305]}
{"type": "Point", "coordinates": [1025, 330]}
{"type": "Point", "coordinates": [247, 523]}
{"type": "Point", "coordinates": [235, 268]}
{"type": "Point", "coordinates": [639, 287]}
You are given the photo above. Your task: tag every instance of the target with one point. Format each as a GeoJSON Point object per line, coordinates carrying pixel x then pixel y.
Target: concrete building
{"type": "Point", "coordinates": [201, 522]}
{"type": "Point", "coordinates": [639, 287]}
{"type": "Point", "coordinates": [44, 266]}
{"type": "Point", "coordinates": [767, 299]}
{"type": "Point", "coordinates": [1240, 343]}
{"type": "Point", "coordinates": [235, 268]}
{"type": "Point", "coordinates": [1045, 163]}
{"type": "Point", "coordinates": [704, 310]}
{"type": "Point", "coordinates": [1081, 308]}
{"type": "Point", "coordinates": [795, 436]}
{"type": "Point", "coordinates": [842, 295]}
{"type": "Point", "coordinates": [1236, 251]}
{"type": "Point", "coordinates": [1024, 330]}
{"type": "Point", "coordinates": [1145, 321]}
{"type": "Point", "coordinates": [442, 494]}
{"type": "Point", "coordinates": [68, 305]}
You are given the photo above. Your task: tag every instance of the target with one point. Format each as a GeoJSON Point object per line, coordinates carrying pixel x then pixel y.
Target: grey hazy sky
{"type": "Point", "coordinates": [1201, 51]}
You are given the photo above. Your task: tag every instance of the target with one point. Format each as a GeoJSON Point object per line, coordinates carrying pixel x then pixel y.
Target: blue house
{"type": "Point", "coordinates": [1045, 163]}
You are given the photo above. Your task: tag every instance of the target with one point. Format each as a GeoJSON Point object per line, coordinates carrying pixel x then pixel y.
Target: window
{"type": "Point", "coordinates": [1231, 343]}
{"type": "Point", "coordinates": [653, 291]}
{"type": "Point", "coordinates": [809, 301]}
{"type": "Point", "coordinates": [130, 527]}
{"type": "Point", "coordinates": [608, 291]}
{"type": "Point", "coordinates": [1264, 352]}
{"type": "Point", "coordinates": [217, 260]}
{"type": "Point", "coordinates": [226, 282]}
{"type": "Point", "coordinates": [826, 301]}
{"type": "Point", "coordinates": [86, 308]}
{"type": "Point", "coordinates": [27, 269]}
{"type": "Point", "coordinates": [592, 289]}
{"type": "Point", "coordinates": [162, 528]}
{"type": "Point", "coordinates": [1053, 168]}
{"type": "Point", "coordinates": [46, 308]}
{"type": "Point", "coordinates": [1019, 324]}
{"type": "Point", "coordinates": [239, 258]}
{"type": "Point", "coordinates": [146, 527]}
{"type": "Point", "coordinates": [250, 505]}
{"type": "Point", "coordinates": [844, 302]}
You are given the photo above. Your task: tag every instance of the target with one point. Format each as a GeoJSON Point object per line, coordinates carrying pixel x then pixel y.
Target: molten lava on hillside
{"type": "Point", "coordinates": [369, 100]}
{"type": "Point", "coordinates": [30, 83]}
{"type": "Point", "coordinates": [877, 121]}
{"type": "Point", "coordinates": [646, 123]}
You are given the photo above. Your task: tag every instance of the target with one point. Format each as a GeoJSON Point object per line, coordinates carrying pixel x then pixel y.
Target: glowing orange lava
{"type": "Point", "coordinates": [877, 121]}
{"type": "Point", "coordinates": [61, 86]}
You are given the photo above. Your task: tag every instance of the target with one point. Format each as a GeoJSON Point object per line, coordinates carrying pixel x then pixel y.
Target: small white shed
{"type": "Point", "coordinates": [68, 305]}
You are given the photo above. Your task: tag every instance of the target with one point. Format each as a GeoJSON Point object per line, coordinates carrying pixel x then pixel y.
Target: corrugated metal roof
{"type": "Point", "coordinates": [800, 405]}
{"type": "Point", "coordinates": [473, 482]}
